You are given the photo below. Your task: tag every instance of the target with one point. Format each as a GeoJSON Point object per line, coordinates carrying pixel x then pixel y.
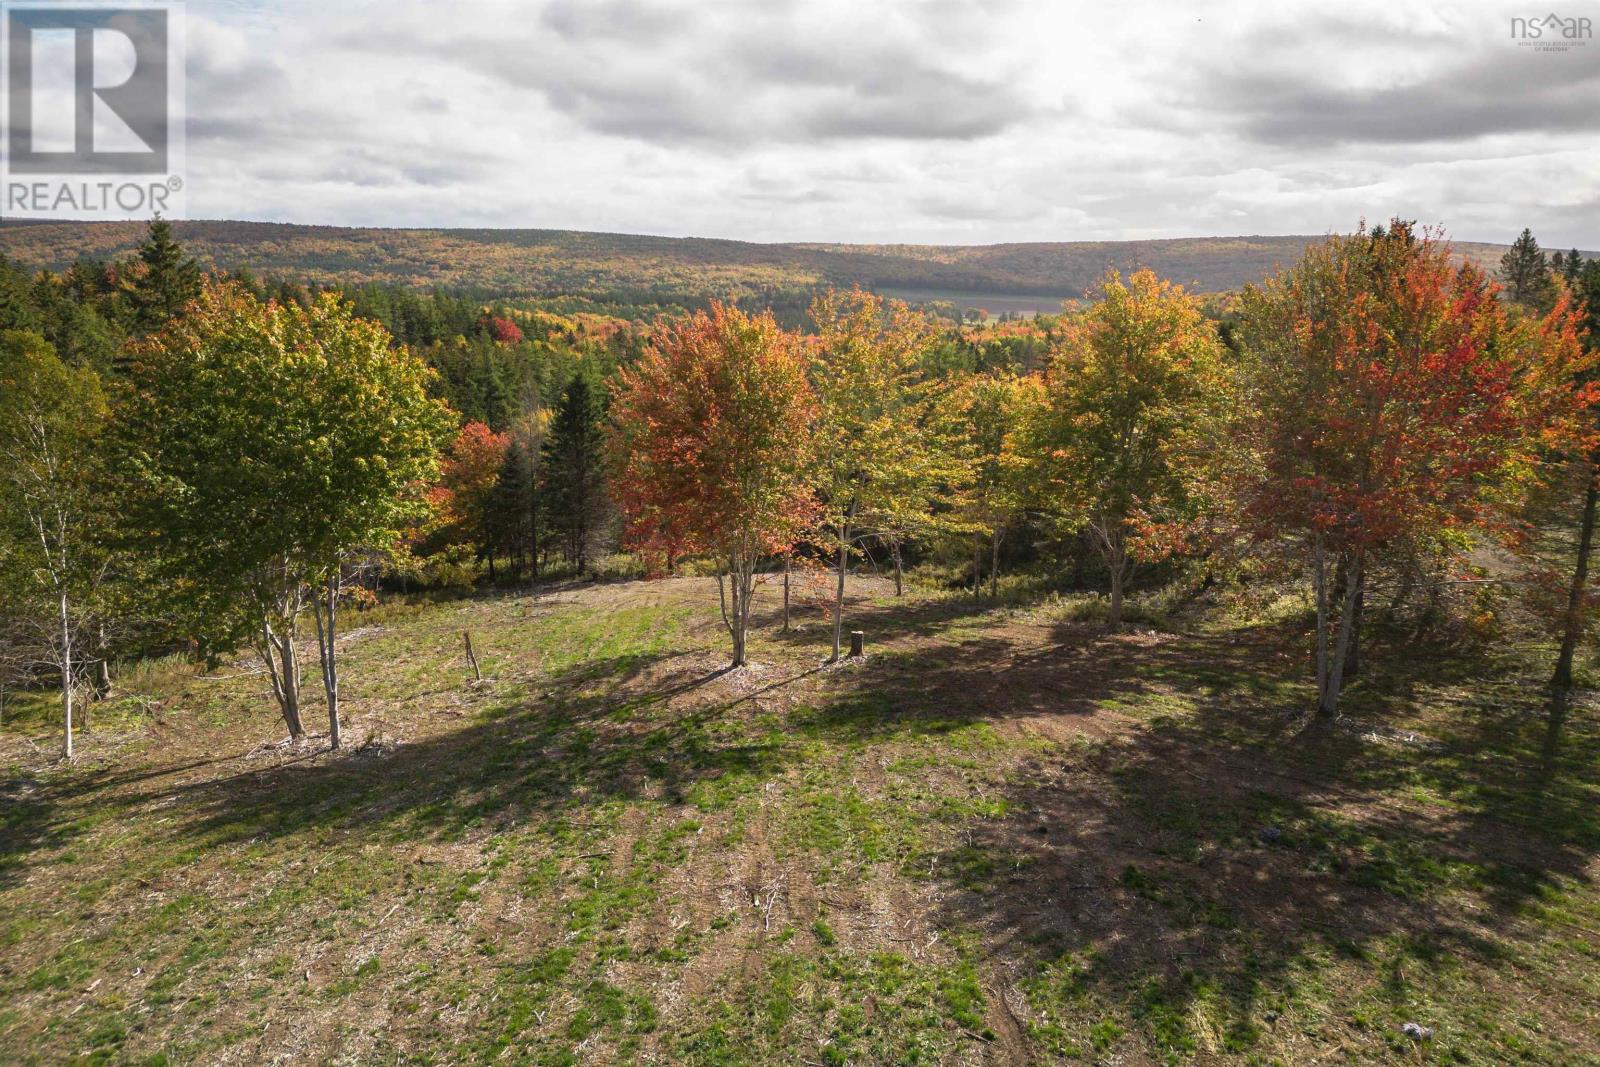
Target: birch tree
{"type": "Point", "coordinates": [50, 417]}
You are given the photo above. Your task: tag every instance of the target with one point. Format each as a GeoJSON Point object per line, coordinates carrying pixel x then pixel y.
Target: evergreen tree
{"type": "Point", "coordinates": [1587, 291]}
{"type": "Point", "coordinates": [170, 279]}
{"type": "Point", "coordinates": [574, 473]}
{"type": "Point", "coordinates": [512, 518]}
{"type": "Point", "coordinates": [1525, 270]}
{"type": "Point", "coordinates": [17, 308]}
{"type": "Point", "coordinates": [497, 401]}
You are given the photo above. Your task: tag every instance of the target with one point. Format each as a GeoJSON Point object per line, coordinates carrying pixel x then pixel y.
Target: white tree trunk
{"type": "Point", "coordinates": [787, 560]}
{"type": "Point", "coordinates": [994, 562]}
{"type": "Point", "coordinates": [326, 612]}
{"type": "Point", "coordinates": [1319, 585]}
{"type": "Point", "coordinates": [735, 600]}
{"type": "Point", "coordinates": [66, 677]}
{"type": "Point", "coordinates": [838, 595]}
{"type": "Point", "coordinates": [283, 668]}
{"type": "Point", "coordinates": [977, 566]}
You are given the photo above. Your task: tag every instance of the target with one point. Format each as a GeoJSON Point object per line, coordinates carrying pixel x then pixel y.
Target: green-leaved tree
{"type": "Point", "coordinates": [51, 415]}
{"type": "Point", "coordinates": [1124, 435]}
{"type": "Point", "coordinates": [270, 448]}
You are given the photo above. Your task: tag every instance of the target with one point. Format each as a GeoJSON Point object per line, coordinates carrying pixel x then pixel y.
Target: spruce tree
{"type": "Point", "coordinates": [496, 401]}
{"type": "Point", "coordinates": [574, 474]}
{"type": "Point", "coordinates": [169, 281]}
{"type": "Point", "coordinates": [1586, 288]}
{"type": "Point", "coordinates": [1525, 270]}
{"type": "Point", "coordinates": [513, 512]}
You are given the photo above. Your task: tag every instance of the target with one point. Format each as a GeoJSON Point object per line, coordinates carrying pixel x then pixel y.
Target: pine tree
{"type": "Point", "coordinates": [1586, 289]}
{"type": "Point", "coordinates": [574, 473]}
{"type": "Point", "coordinates": [1525, 270]}
{"type": "Point", "coordinates": [170, 279]}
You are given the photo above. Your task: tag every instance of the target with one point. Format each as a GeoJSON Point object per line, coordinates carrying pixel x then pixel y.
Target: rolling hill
{"type": "Point", "coordinates": [551, 262]}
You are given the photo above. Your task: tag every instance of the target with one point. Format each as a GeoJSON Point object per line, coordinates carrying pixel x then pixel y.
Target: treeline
{"type": "Point", "coordinates": [191, 461]}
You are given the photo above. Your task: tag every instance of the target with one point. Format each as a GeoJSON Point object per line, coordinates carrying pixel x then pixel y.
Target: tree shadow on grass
{"type": "Point", "coordinates": [39, 812]}
{"type": "Point", "coordinates": [1201, 845]}
{"type": "Point", "coordinates": [884, 620]}
{"type": "Point", "coordinates": [1190, 867]}
{"type": "Point", "coordinates": [605, 730]}
{"type": "Point", "coordinates": [1194, 862]}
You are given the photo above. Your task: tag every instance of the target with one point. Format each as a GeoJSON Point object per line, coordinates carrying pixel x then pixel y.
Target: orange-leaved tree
{"type": "Point", "coordinates": [711, 435]}
{"type": "Point", "coordinates": [1393, 397]}
{"type": "Point", "coordinates": [466, 487]}
{"type": "Point", "coordinates": [1562, 391]}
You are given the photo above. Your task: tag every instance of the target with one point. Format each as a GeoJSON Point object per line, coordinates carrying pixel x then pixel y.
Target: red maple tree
{"type": "Point", "coordinates": [471, 469]}
{"type": "Point", "coordinates": [1394, 393]}
{"type": "Point", "coordinates": [711, 430]}
{"type": "Point", "coordinates": [504, 330]}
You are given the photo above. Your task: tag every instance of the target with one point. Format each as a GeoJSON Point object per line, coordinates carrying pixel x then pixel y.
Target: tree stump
{"type": "Point", "coordinates": [858, 644]}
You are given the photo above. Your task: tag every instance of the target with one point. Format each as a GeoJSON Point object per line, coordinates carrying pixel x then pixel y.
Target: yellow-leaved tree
{"type": "Point", "coordinates": [1124, 435]}
{"type": "Point", "coordinates": [889, 454]}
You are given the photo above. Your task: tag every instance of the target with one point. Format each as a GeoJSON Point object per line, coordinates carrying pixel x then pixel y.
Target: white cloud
{"type": "Point", "coordinates": [922, 120]}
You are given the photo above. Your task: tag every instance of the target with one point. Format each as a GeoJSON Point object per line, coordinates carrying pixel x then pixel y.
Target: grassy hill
{"type": "Point", "coordinates": [1005, 837]}
{"type": "Point", "coordinates": [556, 262]}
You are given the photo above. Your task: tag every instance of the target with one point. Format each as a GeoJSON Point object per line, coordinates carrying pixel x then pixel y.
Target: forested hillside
{"type": "Point", "coordinates": [619, 266]}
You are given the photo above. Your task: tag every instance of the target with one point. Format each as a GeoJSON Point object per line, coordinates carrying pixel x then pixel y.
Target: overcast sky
{"type": "Point", "coordinates": [949, 121]}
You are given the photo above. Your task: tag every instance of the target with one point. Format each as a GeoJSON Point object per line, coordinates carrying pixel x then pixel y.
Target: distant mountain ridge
{"type": "Point", "coordinates": [602, 265]}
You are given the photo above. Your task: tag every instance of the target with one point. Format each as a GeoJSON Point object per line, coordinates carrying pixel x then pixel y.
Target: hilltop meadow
{"type": "Point", "coordinates": [442, 647]}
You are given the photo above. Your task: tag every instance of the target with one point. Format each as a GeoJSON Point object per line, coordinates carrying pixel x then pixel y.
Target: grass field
{"type": "Point", "coordinates": [1004, 837]}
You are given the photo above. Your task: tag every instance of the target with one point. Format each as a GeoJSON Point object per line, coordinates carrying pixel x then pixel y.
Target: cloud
{"type": "Point", "coordinates": [630, 21]}
{"type": "Point", "coordinates": [727, 75]}
{"type": "Point", "coordinates": [943, 121]}
{"type": "Point", "coordinates": [1510, 92]}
